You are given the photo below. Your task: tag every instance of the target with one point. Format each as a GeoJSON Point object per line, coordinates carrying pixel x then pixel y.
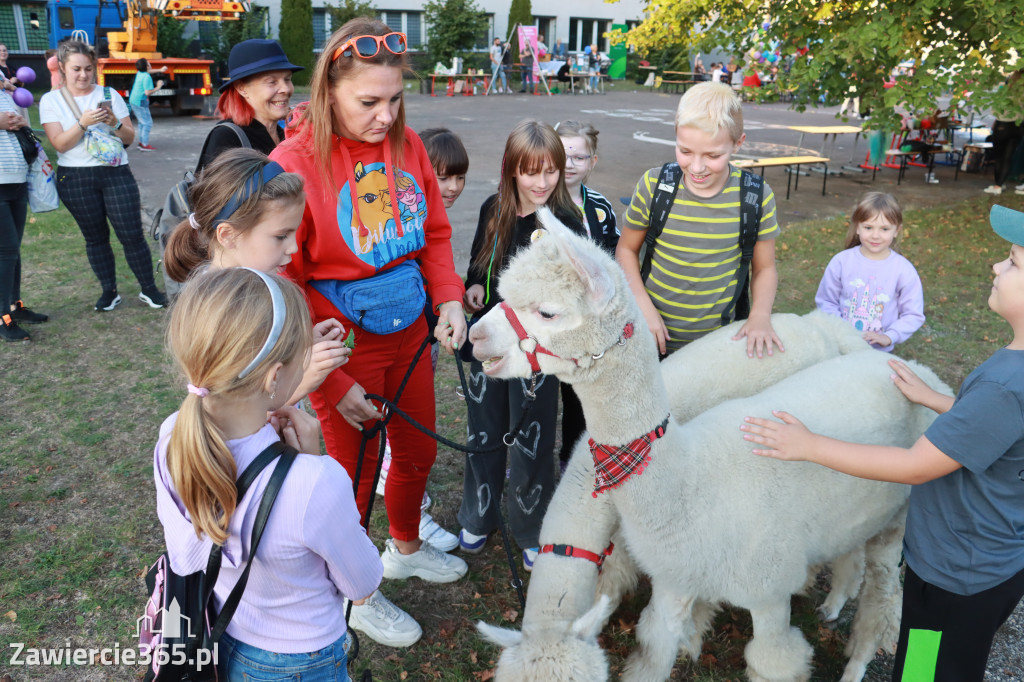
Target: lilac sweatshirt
{"type": "Point", "coordinates": [313, 551]}
{"type": "Point", "coordinates": [882, 296]}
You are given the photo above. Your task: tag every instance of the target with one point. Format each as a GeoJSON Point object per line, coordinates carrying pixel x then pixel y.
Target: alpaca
{"type": "Point", "coordinates": [706, 519]}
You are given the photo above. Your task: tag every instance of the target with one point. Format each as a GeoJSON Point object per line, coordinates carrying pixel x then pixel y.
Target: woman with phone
{"type": "Point", "coordinates": [94, 190]}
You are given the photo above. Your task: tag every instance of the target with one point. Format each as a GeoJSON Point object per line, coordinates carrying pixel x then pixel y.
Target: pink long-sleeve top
{"type": "Point", "coordinates": [313, 552]}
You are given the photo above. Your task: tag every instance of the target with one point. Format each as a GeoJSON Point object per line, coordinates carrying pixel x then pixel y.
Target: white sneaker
{"type": "Point", "coordinates": [931, 179]}
{"type": "Point", "coordinates": [471, 543]}
{"type": "Point", "coordinates": [1020, 187]}
{"type": "Point", "coordinates": [430, 564]}
{"type": "Point", "coordinates": [993, 189]}
{"type": "Point", "coordinates": [432, 532]}
{"type": "Point", "coordinates": [529, 556]}
{"type": "Point", "coordinates": [383, 622]}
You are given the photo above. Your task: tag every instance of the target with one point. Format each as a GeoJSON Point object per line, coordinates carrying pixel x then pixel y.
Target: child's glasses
{"type": "Point", "coordinates": [368, 46]}
{"type": "Point", "coordinates": [578, 159]}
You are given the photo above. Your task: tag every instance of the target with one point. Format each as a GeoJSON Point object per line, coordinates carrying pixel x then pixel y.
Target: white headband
{"type": "Point", "coordinates": [277, 298]}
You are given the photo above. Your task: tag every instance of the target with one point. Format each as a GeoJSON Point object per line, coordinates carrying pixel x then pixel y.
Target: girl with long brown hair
{"type": "Point", "coordinates": [356, 241]}
{"type": "Point", "coordinates": [532, 175]}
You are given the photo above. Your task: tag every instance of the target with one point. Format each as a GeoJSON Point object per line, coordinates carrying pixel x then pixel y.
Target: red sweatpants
{"type": "Point", "coordinates": [378, 364]}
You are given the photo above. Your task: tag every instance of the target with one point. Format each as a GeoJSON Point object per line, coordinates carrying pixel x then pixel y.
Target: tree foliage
{"type": "Point", "coordinates": [346, 10]}
{"type": "Point", "coordinates": [170, 38]}
{"type": "Point", "coordinates": [452, 27]}
{"type": "Point", "coordinates": [252, 25]}
{"type": "Point", "coordinates": [296, 35]}
{"type": "Point", "coordinates": [520, 12]}
{"type": "Point", "coordinates": [962, 48]}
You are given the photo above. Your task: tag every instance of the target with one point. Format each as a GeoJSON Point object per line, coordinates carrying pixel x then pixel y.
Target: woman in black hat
{"type": "Point", "coordinates": [255, 98]}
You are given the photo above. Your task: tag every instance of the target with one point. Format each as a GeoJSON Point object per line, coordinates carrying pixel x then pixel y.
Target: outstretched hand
{"type": "Point", "coordinates": [760, 336]}
{"type": "Point", "coordinates": [787, 439]}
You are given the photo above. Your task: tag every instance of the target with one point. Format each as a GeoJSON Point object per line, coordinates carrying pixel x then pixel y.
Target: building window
{"type": "Point", "coordinates": [585, 31]}
{"type": "Point", "coordinates": [545, 27]}
{"type": "Point", "coordinates": [66, 16]}
{"type": "Point", "coordinates": [484, 39]}
{"type": "Point", "coordinates": [321, 28]}
{"type": "Point", "coordinates": [409, 23]}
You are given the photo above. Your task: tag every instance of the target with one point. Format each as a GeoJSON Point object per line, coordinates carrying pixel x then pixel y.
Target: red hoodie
{"type": "Point", "coordinates": [371, 242]}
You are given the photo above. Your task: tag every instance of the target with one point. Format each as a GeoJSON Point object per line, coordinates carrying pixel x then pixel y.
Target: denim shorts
{"type": "Point", "coordinates": [240, 662]}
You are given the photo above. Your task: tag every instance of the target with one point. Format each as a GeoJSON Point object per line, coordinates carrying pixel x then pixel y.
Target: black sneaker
{"type": "Point", "coordinates": [10, 331]}
{"type": "Point", "coordinates": [108, 301]}
{"type": "Point", "coordinates": [25, 316]}
{"type": "Point", "coordinates": [154, 298]}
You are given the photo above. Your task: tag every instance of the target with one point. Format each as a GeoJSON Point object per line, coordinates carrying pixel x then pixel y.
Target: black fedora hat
{"type": "Point", "coordinates": [251, 57]}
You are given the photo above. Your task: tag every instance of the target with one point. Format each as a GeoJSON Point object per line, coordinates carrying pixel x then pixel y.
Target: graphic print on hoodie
{"type": "Point", "coordinates": [372, 233]}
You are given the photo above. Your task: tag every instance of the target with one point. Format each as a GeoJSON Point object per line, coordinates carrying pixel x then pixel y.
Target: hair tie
{"type": "Point", "coordinates": [277, 298]}
{"type": "Point", "coordinates": [201, 392]}
{"type": "Point", "coordinates": [192, 221]}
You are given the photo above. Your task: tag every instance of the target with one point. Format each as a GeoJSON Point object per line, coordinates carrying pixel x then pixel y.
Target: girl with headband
{"type": "Point", "coordinates": [246, 210]}
{"type": "Point", "coordinates": [241, 338]}
{"type": "Point", "coordinates": [364, 257]}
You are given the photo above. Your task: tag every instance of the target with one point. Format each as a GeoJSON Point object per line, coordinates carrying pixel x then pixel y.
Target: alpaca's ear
{"type": "Point", "coordinates": [506, 638]}
{"type": "Point", "coordinates": [590, 623]}
{"type": "Point", "coordinates": [597, 281]}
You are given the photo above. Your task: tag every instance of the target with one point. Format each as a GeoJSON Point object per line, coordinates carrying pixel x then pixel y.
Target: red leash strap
{"type": "Point", "coordinates": [570, 551]}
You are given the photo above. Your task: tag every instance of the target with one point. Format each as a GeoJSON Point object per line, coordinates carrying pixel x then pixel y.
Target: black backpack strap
{"type": "Point", "coordinates": [242, 137]}
{"type": "Point", "coordinates": [593, 224]}
{"type": "Point", "coordinates": [287, 456]}
{"type": "Point", "coordinates": [661, 206]}
{"type": "Point", "coordinates": [751, 199]}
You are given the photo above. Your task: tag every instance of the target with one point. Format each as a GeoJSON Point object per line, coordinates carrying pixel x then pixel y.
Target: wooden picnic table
{"type": "Point", "coordinates": [835, 131]}
{"type": "Point", "coordinates": [789, 162]}
{"type": "Point", "coordinates": [467, 78]}
{"type": "Point", "coordinates": [679, 78]}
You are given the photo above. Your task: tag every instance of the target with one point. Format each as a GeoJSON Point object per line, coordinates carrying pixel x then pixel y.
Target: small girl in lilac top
{"type": "Point", "coordinates": [868, 284]}
{"type": "Point", "coordinates": [242, 339]}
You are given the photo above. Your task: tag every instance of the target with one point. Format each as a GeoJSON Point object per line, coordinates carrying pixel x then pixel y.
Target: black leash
{"type": "Point", "coordinates": [380, 427]}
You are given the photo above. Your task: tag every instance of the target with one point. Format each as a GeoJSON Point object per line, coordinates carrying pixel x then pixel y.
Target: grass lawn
{"type": "Point", "coordinates": [80, 407]}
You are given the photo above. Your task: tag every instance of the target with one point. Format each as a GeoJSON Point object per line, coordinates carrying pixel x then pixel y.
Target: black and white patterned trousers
{"type": "Point", "coordinates": [95, 194]}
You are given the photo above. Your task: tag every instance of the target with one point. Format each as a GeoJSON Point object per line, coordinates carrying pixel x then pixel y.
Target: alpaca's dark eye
{"type": "Point", "coordinates": [547, 315]}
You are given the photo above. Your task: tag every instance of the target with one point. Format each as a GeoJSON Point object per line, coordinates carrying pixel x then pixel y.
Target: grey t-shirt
{"type": "Point", "coordinates": [965, 530]}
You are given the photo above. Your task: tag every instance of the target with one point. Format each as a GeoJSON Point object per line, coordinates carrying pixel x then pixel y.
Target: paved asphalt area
{"type": "Point", "coordinates": [636, 133]}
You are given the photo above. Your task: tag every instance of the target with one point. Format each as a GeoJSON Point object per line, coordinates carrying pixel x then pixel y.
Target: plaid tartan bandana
{"type": "Point", "coordinates": [614, 464]}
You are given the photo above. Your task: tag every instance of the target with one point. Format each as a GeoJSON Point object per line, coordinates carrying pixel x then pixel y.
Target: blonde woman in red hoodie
{"type": "Point", "coordinates": [373, 233]}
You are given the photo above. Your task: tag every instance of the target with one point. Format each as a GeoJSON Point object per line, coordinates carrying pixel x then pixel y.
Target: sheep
{"type": "Point", "coordinates": [707, 520]}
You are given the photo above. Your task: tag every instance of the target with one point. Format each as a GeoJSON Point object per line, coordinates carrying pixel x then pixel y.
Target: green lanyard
{"type": "Point", "coordinates": [487, 292]}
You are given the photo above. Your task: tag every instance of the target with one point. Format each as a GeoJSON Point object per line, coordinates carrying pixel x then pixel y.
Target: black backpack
{"type": "Point", "coordinates": [176, 207]}
{"type": "Point", "coordinates": [751, 197]}
{"type": "Point", "coordinates": [184, 647]}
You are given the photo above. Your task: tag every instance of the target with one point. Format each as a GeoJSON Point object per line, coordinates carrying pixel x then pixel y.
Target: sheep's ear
{"type": "Point", "coordinates": [506, 638]}
{"type": "Point", "coordinates": [598, 282]}
{"type": "Point", "coordinates": [588, 625]}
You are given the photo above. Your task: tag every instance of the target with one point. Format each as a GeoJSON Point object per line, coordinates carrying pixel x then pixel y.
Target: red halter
{"type": "Point", "coordinates": [531, 346]}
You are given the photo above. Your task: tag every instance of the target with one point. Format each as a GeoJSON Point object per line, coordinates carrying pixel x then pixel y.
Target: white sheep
{"type": "Point", "coordinates": [707, 520]}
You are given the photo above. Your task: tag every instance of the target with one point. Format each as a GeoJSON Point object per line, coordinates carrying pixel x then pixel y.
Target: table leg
{"type": "Point", "coordinates": [432, 77]}
{"type": "Point", "coordinates": [789, 178]}
{"type": "Point", "coordinates": [824, 179]}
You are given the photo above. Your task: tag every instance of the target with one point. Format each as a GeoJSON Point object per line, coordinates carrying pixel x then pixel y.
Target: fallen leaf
{"type": "Point", "coordinates": [12, 616]}
{"type": "Point", "coordinates": [510, 615]}
{"type": "Point", "coordinates": [483, 675]}
{"type": "Point", "coordinates": [403, 675]}
{"type": "Point", "coordinates": [472, 657]}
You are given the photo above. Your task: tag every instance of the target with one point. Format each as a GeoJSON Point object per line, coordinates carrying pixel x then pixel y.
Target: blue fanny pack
{"type": "Point", "coordinates": [386, 303]}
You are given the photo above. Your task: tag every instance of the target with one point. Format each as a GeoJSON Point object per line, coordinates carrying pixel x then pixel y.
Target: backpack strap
{"type": "Point", "coordinates": [287, 456]}
{"type": "Point", "coordinates": [235, 128]}
{"type": "Point", "coordinates": [751, 198]}
{"type": "Point", "coordinates": [72, 105]}
{"type": "Point", "coordinates": [661, 206]}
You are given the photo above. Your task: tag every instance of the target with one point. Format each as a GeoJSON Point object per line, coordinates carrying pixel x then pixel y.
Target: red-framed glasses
{"type": "Point", "coordinates": [368, 46]}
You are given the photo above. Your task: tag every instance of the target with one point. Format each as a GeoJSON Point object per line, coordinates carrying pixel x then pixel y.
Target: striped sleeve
{"type": "Point", "coordinates": [638, 214]}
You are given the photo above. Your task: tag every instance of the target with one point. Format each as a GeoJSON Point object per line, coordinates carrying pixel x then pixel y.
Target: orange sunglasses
{"type": "Point", "coordinates": [368, 46]}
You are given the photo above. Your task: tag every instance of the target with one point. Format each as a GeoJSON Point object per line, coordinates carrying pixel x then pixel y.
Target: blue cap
{"type": "Point", "coordinates": [1008, 224]}
{"type": "Point", "coordinates": [255, 56]}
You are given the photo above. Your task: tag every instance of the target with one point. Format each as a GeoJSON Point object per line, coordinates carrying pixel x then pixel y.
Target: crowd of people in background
{"type": "Point", "coordinates": [304, 286]}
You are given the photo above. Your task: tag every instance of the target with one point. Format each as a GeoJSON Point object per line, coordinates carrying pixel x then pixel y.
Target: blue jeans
{"type": "Point", "coordinates": [496, 73]}
{"type": "Point", "coordinates": [145, 117]}
{"type": "Point", "coordinates": [240, 662]}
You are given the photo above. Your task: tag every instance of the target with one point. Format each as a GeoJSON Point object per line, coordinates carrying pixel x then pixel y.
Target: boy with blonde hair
{"type": "Point", "coordinates": [698, 267]}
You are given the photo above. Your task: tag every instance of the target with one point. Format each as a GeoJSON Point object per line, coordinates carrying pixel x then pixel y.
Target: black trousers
{"type": "Point", "coordinates": [1006, 135]}
{"type": "Point", "coordinates": [95, 194]}
{"type": "Point", "coordinates": [573, 423]}
{"type": "Point", "coordinates": [13, 207]}
{"type": "Point", "coordinates": [946, 637]}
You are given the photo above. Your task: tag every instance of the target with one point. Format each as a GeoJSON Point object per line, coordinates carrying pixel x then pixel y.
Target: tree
{"type": "Point", "coordinates": [229, 33]}
{"type": "Point", "coordinates": [346, 10]}
{"type": "Point", "coordinates": [963, 48]}
{"type": "Point", "coordinates": [453, 26]}
{"type": "Point", "coordinates": [170, 41]}
{"type": "Point", "coordinates": [519, 13]}
{"type": "Point", "coordinates": [296, 35]}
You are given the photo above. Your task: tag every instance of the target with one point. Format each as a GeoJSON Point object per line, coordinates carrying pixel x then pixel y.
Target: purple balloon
{"type": "Point", "coordinates": [23, 98]}
{"type": "Point", "coordinates": [26, 75]}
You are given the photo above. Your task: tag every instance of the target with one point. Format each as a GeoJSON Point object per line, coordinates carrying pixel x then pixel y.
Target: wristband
{"type": "Point", "coordinates": [119, 125]}
{"type": "Point", "coordinates": [84, 129]}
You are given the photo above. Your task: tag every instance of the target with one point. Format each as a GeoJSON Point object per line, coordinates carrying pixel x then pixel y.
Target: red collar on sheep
{"type": "Point", "coordinates": [570, 551]}
{"type": "Point", "coordinates": [531, 346]}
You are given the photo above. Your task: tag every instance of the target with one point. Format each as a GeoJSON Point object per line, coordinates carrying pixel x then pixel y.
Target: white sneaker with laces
{"type": "Point", "coordinates": [432, 532]}
{"type": "Point", "coordinates": [993, 189]}
{"type": "Point", "coordinates": [383, 622]}
{"type": "Point", "coordinates": [429, 563]}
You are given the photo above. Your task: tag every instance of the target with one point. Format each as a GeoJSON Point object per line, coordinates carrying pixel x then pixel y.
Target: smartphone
{"type": "Point", "coordinates": [105, 104]}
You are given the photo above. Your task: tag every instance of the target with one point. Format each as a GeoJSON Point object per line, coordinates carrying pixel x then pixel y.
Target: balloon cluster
{"type": "Point", "coordinates": [22, 97]}
{"type": "Point", "coordinates": [766, 51]}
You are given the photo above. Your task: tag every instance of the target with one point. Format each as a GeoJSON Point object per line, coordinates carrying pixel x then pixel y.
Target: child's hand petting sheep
{"type": "Point", "coordinates": [788, 440]}
{"type": "Point", "coordinates": [916, 390]}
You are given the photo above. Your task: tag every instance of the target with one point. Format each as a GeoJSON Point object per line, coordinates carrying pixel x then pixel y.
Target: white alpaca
{"type": "Point", "coordinates": [707, 520]}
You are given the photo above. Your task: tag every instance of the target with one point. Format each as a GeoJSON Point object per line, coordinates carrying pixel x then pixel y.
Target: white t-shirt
{"type": "Point", "coordinates": [716, 75]}
{"type": "Point", "coordinates": [53, 109]}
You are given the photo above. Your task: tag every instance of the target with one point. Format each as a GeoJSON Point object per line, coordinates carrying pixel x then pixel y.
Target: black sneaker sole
{"type": "Point", "coordinates": [150, 302]}
{"type": "Point", "coordinates": [113, 304]}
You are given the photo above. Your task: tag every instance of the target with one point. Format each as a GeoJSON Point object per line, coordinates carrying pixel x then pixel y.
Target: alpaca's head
{"type": "Point", "coordinates": [571, 656]}
{"type": "Point", "coordinates": [568, 294]}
